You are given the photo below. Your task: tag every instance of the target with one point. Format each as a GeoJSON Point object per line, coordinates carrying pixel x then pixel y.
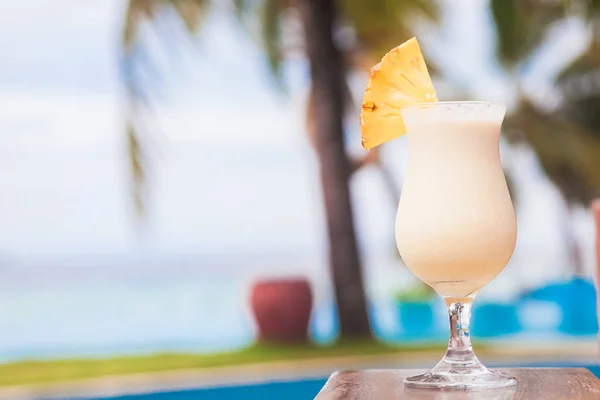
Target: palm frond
{"type": "Point", "coordinates": [509, 29]}
{"type": "Point", "coordinates": [270, 19]}
{"type": "Point", "coordinates": [512, 188]}
{"type": "Point", "coordinates": [588, 61]}
{"type": "Point", "coordinates": [580, 86]}
{"type": "Point", "coordinates": [136, 168]}
{"type": "Point", "coordinates": [240, 7]}
{"type": "Point", "coordinates": [567, 152]}
{"type": "Point", "coordinates": [382, 25]}
{"type": "Point", "coordinates": [191, 12]}
{"type": "Point", "coordinates": [521, 26]}
{"type": "Point", "coordinates": [136, 12]}
{"type": "Point", "coordinates": [585, 112]}
{"type": "Point", "coordinates": [593, 9]}
{"type": "Point", "coordinates": [140, 74]}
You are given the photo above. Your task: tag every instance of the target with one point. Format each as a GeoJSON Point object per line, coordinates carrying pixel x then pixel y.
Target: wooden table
{"type": "Point", "coordinates": [533, 383]}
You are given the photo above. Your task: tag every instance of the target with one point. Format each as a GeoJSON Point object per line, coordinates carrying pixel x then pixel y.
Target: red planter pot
{"type": "Point", "coordinates": [282, 309]}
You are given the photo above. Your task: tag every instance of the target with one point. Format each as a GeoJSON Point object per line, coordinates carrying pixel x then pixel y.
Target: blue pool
{"type": "Point", "coordinates": [294, 390]}
{"type": "Point", "coordinates": [298, 390]}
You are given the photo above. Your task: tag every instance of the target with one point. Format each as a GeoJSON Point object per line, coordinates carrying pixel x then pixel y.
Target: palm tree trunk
{"type": "Point", "coordinates": [327, 73]}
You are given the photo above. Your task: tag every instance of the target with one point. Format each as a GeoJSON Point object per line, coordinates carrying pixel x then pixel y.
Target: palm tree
{"type": "Point", "coordinates": [565, 138]}
{"type": "Point", "coordinates": [375, 27]}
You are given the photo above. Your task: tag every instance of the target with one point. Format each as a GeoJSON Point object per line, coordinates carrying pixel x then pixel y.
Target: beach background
{"type": "Point", "coordinates": [231, 189]}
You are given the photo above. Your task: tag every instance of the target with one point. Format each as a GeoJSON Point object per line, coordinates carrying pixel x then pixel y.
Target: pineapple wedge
{"type": "Point", "coordinates": [399, 80]}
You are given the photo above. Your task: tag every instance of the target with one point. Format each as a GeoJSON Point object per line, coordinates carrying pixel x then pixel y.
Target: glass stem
{"type": "Point", "coordinates": [460, 353]}
{"type": "Point", "coordinates": [460, 319]}
{"type": "Point", "coordinates": [460, 368]}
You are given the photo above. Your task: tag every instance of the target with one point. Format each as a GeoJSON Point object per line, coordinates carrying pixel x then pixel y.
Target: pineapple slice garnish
{"type": "Point", "coordinates": [399, 80]}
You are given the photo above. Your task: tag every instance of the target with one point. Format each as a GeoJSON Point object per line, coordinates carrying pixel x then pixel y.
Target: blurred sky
{"type": "Point", "coordinates": [232, 173]}
{"type": "Point", "coordinates": [230, 141]}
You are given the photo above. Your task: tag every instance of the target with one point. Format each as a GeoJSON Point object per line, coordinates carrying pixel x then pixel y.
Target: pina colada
{"type": "Point", "coordinates": [455, 226]}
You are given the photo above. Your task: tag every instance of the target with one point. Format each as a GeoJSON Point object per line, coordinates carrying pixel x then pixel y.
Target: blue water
{"type": "Point", "coordinates": [292, 390]}
{"type": "Point", "coordinates": [105, 314]}
{"type": "Point", "coordinates": [295, 390]}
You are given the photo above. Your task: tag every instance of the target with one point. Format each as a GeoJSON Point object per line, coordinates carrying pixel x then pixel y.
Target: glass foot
{"type": "Point", "coordinates": [460, 368]}
{"type": "Point", "coordinates": [460, 378]}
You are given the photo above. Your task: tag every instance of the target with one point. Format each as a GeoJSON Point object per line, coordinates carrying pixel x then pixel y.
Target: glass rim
{"type": "Point", "coordinates": [446, 111]}
{"type": "Point", "coordinates": [434, 104]}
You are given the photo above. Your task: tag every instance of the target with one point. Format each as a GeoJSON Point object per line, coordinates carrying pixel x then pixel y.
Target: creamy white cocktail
{"type": "Point", "coordinates": [455, 227]}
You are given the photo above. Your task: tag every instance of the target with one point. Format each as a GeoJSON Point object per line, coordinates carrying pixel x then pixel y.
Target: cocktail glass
{"type": "Point", "coordinates": [456, 227]}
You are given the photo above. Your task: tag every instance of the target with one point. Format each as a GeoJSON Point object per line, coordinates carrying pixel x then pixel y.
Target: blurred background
{"type": "Point", "coordinates": [182, 187]}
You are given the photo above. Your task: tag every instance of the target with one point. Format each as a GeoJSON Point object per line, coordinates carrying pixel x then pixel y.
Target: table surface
{"type": "Point", "coordinates": [533, 383]}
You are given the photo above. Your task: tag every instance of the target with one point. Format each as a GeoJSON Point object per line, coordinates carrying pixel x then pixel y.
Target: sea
{"type": "Point", "coordinates": [104, 306]}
